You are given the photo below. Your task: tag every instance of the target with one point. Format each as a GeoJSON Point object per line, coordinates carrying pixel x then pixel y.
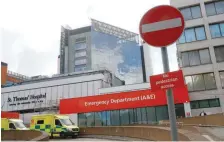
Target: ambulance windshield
{"type": "Point", "coordinates": [66, 122]}
{"type": "Point", "coordinates": [19, 125]}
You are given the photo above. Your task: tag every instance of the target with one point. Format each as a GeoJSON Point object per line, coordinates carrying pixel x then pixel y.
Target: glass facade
{"type": "Point", "coordinates": [145, 115]}
{"type": "Point", "coordinates": [121, 57]}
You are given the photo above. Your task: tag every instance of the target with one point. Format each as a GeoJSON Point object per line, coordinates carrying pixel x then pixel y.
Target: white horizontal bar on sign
{"type": "Point", "coordinates": [161, 25]}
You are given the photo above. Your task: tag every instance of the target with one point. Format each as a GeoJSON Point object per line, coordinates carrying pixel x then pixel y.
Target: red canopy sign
{"type": "Point", "coordinates": [123, 100]}
{"type": "Point", "coordinates": [167, 80]}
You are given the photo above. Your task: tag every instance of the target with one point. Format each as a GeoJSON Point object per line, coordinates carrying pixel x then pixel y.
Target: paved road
{"type": "Point", "coordinates": [81, 139]}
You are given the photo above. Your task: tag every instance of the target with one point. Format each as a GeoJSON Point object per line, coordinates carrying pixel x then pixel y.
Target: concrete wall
{"type": "Point", "coordinates": [27, 135]}
{"type": "Point", "coordinates": [142, 132]}
{"type": "Point", "coordinates": [215, 119]}
{"type": "Point", "coordinates": [209, 43]}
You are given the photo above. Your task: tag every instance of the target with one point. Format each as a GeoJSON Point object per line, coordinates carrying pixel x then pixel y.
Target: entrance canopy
{"type": "Point", "coordinates": [122, 100]}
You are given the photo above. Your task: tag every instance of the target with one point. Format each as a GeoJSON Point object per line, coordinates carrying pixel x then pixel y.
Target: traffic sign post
{"type": "Point", "coordinates": [159, 27]}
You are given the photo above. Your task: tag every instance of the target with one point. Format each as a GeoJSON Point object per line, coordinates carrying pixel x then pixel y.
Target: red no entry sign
{"type": "Point", "coordinates": [161, 26]}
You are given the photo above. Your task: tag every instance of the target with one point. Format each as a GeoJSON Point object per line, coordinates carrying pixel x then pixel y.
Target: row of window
{"type": "Point", "coordinates": [195, 57]}
{"type": "Point", "coordinates": [194, 12]}
{"type": "Point", "coordinates": [201, 56]}
{"type": "Point", "coordinates": [201, 82]}
{"type": "Point", "coordinates": [205, 103]}
{"type": "Point", "coordinates": [193, 34]}
{"type": "Point", "coordinates": [198, 33]}
{"type": "Point", "coordinates": [146, 115]}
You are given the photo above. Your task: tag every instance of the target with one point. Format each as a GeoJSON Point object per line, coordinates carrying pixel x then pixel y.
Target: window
{"type": "Point", "coordinates": [79, 46]}
{"type": "Point", "coordinates": [80, 61]}
{"type": "Point", "coordinates": [139, 116]}
{"type": "Point", "coordinates": [144, 116]}
{"type": "Point", "coordinates": [194, 105]}
{"type": "Point", "coordinates": [200, 33]}
{"type": "Point", "coordinates": [222, 78]}
{"type": "Point", "coordinates": [219, 53]}
{"type": "Point", "coordinates": [190, 35]}
{"type": "Point", "coordinates": [191, 12]}
{"type": "Point", "coordinates": [151, 115]}
{"type": "Point", "coordinates": [124, 115]}
{"type": "Point", "coordinates": [20, 125]}
{"type": "Point", "coordinates": [201, 82]}
{"type": "Point", "coordinates": [162, 113]}
{"type": "Point", "coordinates": [98, 119]}
{"type": "Point", "coordinates": [80, 67]}
{"type": "Point", "coordinates": [132, 117]}
{"type": "Point", "coordinates": [203, 104]}
{"type": "Point", "coordinates": [214, 8]}
{"type": "Point", "coordinates": [40, 121]}
{"type": "Point", "coordinates": [90, 119]}
{"type": "Point", "coordinates": [82, 120]}
{"type": "Point", "coordinates": [80, 54]}
{"type": "Point", "coordinates": [115, 117]}
{"type": "Point", "coordinates": [57, 122]}
{"type": "Point", "coordinates": [198, 82]}
{"type": "Point", "coordinates": [193, 34]}
{"type": "Point", "coordinates": [189, 82]}
{"type": "Point", "coordinates": [82, 39]}
{"type": "Point", "coordinates": [217, 30]}
{"type": "Point", "coordinates": [196, 57]}
{"type": "Point", "coordinates": [66, 122]}
{"type": "Point", "coordinates": [104, 118]}
{"type": "Point", "coordinates": [209, 81]}
{"type": "Point", "coordinates": [209, 103]}
{"type": "Point", "coordinates": [12, 126]}
{"type": "Point", "coordinates": [214, 102]}
{"type": "Point", "coordinates": [204, 56]}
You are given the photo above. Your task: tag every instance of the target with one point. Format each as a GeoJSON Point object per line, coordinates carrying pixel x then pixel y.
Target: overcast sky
{"type": "Point", "coordinates": [30, 30]}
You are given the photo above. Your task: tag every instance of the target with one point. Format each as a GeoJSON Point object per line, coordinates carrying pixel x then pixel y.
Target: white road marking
{"type": "Point", "coordinates": [208, 137]}
{"type": "Point", "coordinates": [162, 25]}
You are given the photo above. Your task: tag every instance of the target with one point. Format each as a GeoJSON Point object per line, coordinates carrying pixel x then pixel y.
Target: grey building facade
{"type": "Point", "coordinates": [200, 52]}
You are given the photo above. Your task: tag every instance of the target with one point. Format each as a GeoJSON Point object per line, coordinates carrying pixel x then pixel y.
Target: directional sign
{"type": "Point", "coordinates": [161, 26]}
{"type": "Point", "coordinates": [167, 80]}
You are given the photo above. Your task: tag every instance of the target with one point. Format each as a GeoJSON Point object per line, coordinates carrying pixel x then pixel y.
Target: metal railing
{"type": "Point", "coordinates": [17, 75]}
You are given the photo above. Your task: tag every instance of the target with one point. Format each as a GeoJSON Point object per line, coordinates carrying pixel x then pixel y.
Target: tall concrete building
{"type": "Point", "coordinates": [201, 53]}
{"type": "Point", "coordinates": [99, 46]}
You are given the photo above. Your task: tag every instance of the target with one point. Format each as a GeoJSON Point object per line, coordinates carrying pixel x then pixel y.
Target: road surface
{"type": "Point", "coordinates": [81, 139]}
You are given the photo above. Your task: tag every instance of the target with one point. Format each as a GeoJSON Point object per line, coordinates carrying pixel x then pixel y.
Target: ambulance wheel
{"type": "Point", "coordinates": [51, 137]}
{"type": "Point", "coordinates": [74, 136]}
{"type": "Point", "coordinates": [62, 135]}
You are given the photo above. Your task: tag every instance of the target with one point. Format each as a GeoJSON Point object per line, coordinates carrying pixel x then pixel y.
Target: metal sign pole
{"type": "Point", "coordinates": [170, 102]}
